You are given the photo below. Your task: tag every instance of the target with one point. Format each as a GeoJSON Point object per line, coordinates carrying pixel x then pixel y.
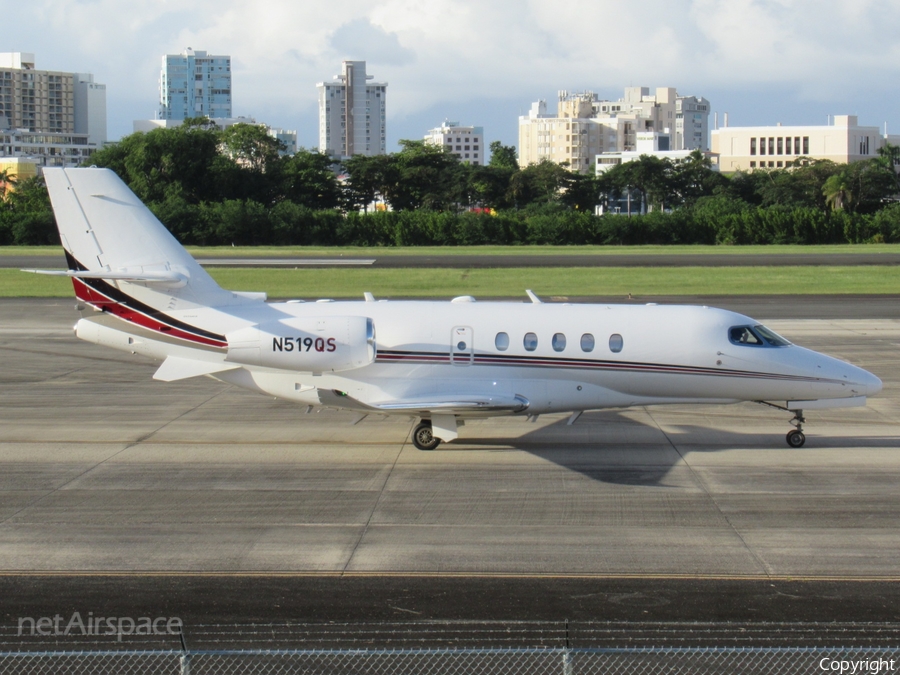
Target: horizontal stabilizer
{"type": "Point", "coordinates": [164, 278]}
{"type": "Point", "coordinates": [177, 368]}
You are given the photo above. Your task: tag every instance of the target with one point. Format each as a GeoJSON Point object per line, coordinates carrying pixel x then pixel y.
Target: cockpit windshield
{"type": "Point", "coordinates": [771, 336]}
{"type": "Point", "coordinates": [756, 336]}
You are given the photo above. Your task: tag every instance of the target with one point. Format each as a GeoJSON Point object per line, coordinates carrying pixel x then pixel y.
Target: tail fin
{"type": "Point", "coordinates": [113, 242]}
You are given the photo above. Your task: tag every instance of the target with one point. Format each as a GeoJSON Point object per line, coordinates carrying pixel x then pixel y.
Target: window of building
{"type": "Point", "coordinates": [753, 165]}
{"type": "Point", "coordinates": [587, 342]}
{"type": "Point", "coordinates": [530, 342]}
{"type": "Point", "coordinates": [806, 145]}
{"type": "Point", "coordinates": [616, 343]}
{"type": "Point", "coordinates": [780, 145]}
{"type": "Point", "coordinates": [796, 145]}
{"type": "Point", "coordinates": [558, 342]}
{"type": "Point", "coordinates": [501, 342]}
{"type": "Point", "coordinates": [762, 146]}
{"type": "Point", "coordinates": [753, 146]}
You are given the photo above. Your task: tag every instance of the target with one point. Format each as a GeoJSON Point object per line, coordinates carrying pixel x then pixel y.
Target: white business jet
{"type": "Point", "coordinates": [440, 362]}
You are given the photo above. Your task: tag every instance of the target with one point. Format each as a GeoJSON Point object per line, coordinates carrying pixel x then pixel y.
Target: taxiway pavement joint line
{"type": "Point", "coordinates": [128, 446]}
{"type": "Point", "coordinates": [759, 561]}
{"type": "Point", "coordinates": [375, 505]}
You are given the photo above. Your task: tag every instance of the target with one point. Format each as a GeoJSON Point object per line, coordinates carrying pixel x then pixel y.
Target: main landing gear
{"type": "Point", "coordinates": [795, 437]}
{"type": "Point", "coordinates": [423, 437]}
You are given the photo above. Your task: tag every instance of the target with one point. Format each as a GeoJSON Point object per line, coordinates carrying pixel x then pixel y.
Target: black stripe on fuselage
{"type": "Point", "coordinates": [399, 356]}
{"type": "Point", "coordinates": [113, 293]}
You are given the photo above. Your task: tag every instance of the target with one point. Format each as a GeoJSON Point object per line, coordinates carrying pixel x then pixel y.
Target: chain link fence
{"type": "Point", "coordinates": [464, 648]}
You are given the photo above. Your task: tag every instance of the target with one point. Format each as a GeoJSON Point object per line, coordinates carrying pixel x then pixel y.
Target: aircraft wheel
{"type": "Point", "coordinates": [423, 438]}
{"type": "Point", "coordinates": [796, 438]}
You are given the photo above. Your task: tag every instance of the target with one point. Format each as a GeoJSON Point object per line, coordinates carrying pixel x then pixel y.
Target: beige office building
{"type": "Point", "coordinates": [775, 147]}
{"type": "Point", "coordinates": [585, 126]}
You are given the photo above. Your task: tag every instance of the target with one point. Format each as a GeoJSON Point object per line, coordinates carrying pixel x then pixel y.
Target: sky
{"type": "Point", "coordinates": [483, 62]}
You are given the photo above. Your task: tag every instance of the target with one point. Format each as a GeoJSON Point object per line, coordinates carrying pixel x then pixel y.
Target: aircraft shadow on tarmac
{"type": "Point", "coordinates": [649, 456]}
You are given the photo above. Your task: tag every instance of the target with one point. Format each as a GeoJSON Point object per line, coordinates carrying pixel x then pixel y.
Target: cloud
{"type": "Point", "coordinates": [360, 40]}
{"type": "Point", "coordinates": [451, 54]}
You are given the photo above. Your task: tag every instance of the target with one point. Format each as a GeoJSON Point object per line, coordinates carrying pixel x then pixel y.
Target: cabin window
{"type": "Point", "coordinates": [616, 343]}
{"type": "Point", "coordinates": [587, 342]}
{"type": "Point", "coordinates": [559, 342]}
{"type": "Point", "coordinates": [530, 342]}
{"type": "Point", "coordinates": [501, 342]}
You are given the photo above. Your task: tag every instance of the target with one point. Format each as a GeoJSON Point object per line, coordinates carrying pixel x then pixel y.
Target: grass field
{"type": "Point", "coordinates": [512, 282]}
{"type": "Point", "coordinates": [336, 252]}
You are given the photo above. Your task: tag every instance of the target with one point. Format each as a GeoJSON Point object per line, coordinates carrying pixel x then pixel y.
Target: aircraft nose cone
{"type": "Point", "coordinates": [871, 383]}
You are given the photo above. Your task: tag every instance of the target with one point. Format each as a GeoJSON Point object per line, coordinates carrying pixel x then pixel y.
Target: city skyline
{"type": "Point", "coordinates": [484, 63]}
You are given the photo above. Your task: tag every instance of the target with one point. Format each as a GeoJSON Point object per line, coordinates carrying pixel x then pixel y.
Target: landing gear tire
{"type": "Point", "coordinates": [423, 437]}
{"type": "Point", "coordinates": [796, 438]}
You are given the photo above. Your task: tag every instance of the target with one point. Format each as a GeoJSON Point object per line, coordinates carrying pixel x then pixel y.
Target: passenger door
{"type": "Point", "coordinates": [462, 349]}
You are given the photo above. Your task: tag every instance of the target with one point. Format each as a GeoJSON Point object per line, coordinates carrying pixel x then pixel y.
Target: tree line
{"type": "Point", "coordinates": [235, 186]}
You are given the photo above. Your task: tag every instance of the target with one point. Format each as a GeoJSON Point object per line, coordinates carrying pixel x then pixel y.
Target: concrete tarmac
{"type": "Point", "coordinates": [237, 499]}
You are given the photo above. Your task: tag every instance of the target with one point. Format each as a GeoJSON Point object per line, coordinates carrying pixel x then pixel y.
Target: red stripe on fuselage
{"type": "Point", "coordinates": [101, 301]}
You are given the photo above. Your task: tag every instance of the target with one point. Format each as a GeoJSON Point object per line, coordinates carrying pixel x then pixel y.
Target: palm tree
{"type": "Point", "coordinates": [7, 181]}
{"type": "Point", "coordinates": [837, 191]}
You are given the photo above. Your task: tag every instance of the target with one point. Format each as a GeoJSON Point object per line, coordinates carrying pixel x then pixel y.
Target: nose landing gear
{"type": "Point", "coordinates": [795, 437]}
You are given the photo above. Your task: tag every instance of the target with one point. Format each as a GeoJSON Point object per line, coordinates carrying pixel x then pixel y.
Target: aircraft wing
{"type": "Point", "coordinates": [444, 405]}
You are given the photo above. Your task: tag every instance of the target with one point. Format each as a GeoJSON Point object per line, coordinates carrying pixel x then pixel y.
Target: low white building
{"type": "Point", "coordinates": [43, 149]}
{"type": "Point", "coordinates": [467, 143]}
{"type": "Point", "coordinates": [775, 147]}
{"type": "Point", "coordinates": [649, 143]}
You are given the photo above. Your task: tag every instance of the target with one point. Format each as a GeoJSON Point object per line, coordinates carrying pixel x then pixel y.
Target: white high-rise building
{"type": "Point", "coordinates": [194, 84]}
{"type": "Point", "coordinates": [467, 143]}
{"type": "Point", "coordinates": [352, 113]}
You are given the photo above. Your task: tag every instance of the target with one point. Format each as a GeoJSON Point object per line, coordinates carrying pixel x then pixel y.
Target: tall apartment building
{"type": "Point", "coordinates": [585, 126]}
{"type": "Point", "coordinates": [49, 117]}
{"type": "Point", "coordinates": [570, 137]}
{"type": "Point", "coordinates": [467, 143]}
{"type": "Point", "coordinates": [194, 84]}
{"type": "Point", "coordinates": [775, 147]}
{"type": "Point", "coordinates": [352, 113]}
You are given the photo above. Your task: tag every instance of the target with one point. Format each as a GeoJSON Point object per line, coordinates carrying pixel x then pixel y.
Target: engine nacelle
{"type": "Point", "coordinates": [306, 344]}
